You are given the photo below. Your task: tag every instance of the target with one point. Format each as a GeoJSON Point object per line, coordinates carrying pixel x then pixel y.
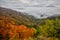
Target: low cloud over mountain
{"type": "Point", "coordinates": [33, 7]}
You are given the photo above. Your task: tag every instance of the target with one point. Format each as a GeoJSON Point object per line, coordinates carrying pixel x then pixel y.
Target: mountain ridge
{"type": "Point", "coordinates": [17, 16]}
{"type": "Point", "coordinates": [21, 18]}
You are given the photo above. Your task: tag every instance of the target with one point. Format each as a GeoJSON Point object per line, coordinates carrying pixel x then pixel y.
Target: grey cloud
{"type": "Point", "coordinates": [34, 7]}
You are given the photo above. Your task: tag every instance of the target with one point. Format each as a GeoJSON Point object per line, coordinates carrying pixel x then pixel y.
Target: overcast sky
{"type": "Point", "coordinates": [33, 7]}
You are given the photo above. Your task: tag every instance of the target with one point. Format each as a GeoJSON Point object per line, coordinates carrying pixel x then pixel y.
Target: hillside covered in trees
{"type": "Point", "coordinates": [17, 26]}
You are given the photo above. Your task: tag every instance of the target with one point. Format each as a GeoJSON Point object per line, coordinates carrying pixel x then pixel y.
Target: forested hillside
{"type": "Point", "coordinates": [17, 26]}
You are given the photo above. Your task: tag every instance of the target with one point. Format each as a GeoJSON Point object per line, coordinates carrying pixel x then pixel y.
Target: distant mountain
{"type": "Point", "coordinates": [21, 18]}
{"type": "Point", "coordinates": [18, 17]}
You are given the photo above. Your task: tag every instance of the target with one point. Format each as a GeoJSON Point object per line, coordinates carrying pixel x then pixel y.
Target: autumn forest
{"type": "Point", "coordinates": [17, 26]}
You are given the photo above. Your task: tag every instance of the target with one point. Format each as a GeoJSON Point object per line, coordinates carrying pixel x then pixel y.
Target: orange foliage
{"type": "Point", "coordinates": [13, 30]}
{"type": "Point", "coordinates": [25, 32]}
{"type": "Point", "coordinates": [22, 28]}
